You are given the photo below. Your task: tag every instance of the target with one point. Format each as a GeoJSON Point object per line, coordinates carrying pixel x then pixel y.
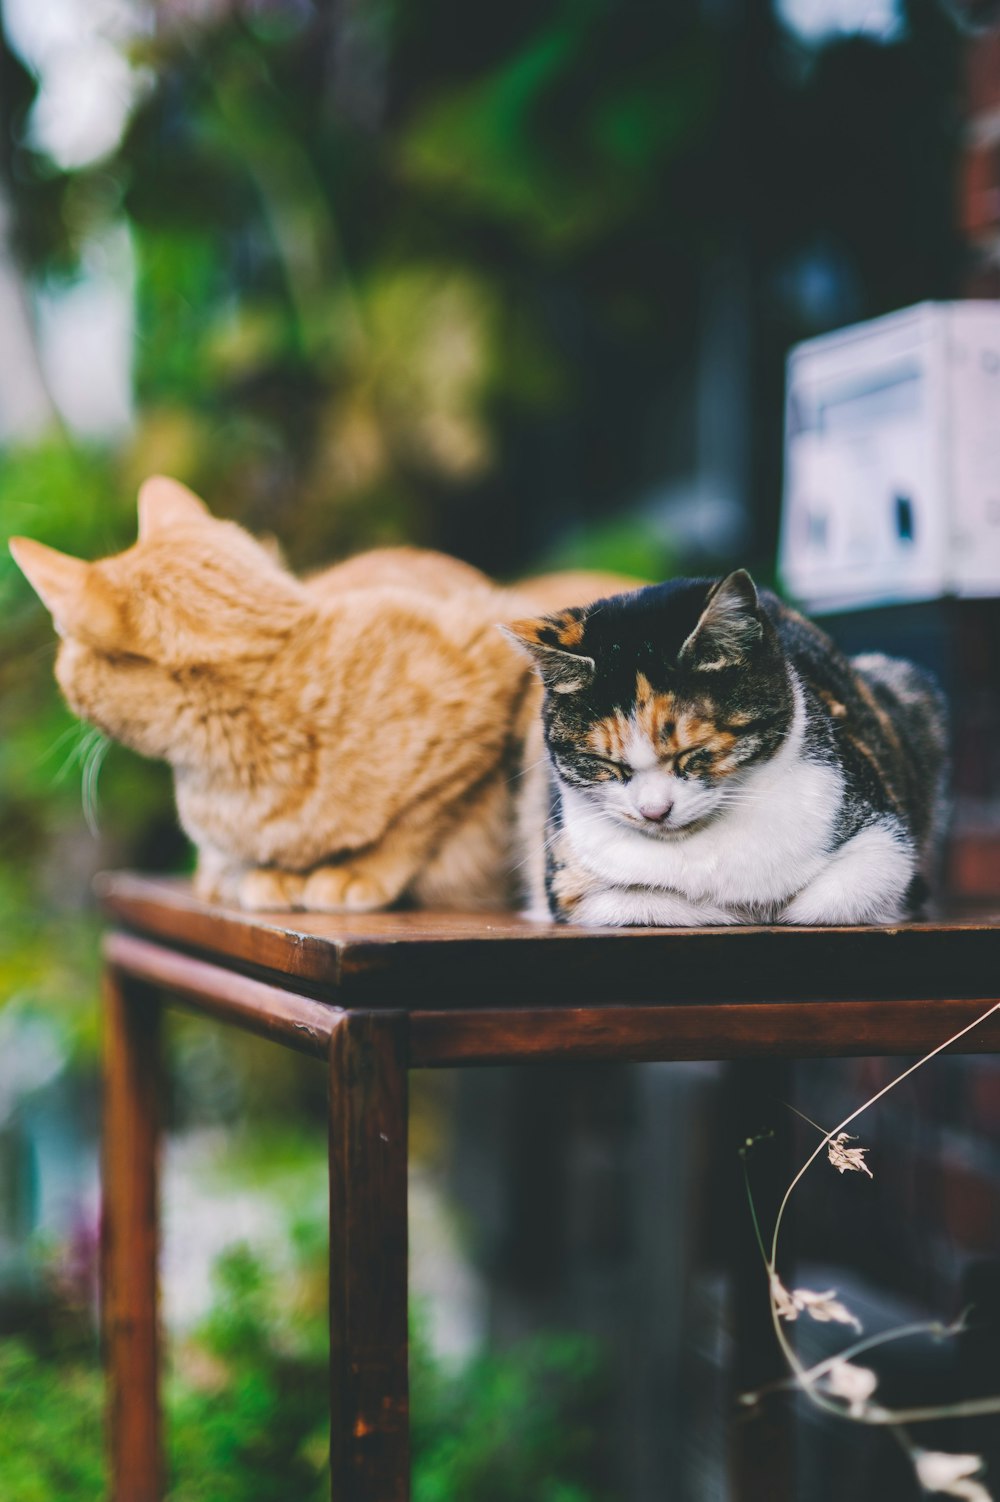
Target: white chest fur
{"type": "Point", "coordinates": [771, 839]}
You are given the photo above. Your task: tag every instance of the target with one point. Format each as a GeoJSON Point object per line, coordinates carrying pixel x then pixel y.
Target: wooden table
{"type": "Point", "coordinates": [379, 994]}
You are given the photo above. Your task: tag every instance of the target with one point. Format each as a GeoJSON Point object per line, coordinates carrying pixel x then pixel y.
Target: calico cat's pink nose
{"type": "Point", "coordinates": [655, 812]}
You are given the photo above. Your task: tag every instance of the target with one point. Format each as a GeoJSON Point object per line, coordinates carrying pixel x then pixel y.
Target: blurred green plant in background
{"type": "Point", "coordinates": [248, 1415]}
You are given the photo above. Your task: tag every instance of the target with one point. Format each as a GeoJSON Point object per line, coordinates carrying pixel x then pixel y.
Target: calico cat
{"type": "Point", "coordinates": [337, 743]}
{"type": "Point", "coordinates": [714, 759]}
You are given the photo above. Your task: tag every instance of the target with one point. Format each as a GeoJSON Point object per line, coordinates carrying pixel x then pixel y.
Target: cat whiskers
{"type": "Point", "coordinates": [44, 649]}
{"type": "Point", "coordinates": [86, 738]}
{"type": "Point", "coordinates": [580, 821]}
{"type": "Point", "coordinates": [525, 770]}
{"type": "Point", "coordinates": [741, 796]}
{"type": "Point", "coordinates": [96, 753]}
{"type": "Point", "coordinates": [88, 753]}
{"type": "Point", "coordinates": [547, 842]}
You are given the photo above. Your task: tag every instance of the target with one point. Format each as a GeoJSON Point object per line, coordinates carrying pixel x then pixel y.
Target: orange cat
{"type": "Point", "coordinates": [337, 743]}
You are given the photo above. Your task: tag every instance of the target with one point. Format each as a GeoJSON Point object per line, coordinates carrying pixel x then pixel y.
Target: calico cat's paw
{"type": "Point", "coordinates": [210, 886]}
{"type": "Point", "coordinates": [343, 889]}
{"type": "Point", "coordinates": [864, 882]}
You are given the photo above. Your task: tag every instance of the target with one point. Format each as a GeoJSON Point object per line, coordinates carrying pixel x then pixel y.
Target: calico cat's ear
{"type": "Point", "coordinates": [166, 503]}
{"type": "Point", "coordinates": [729, 627]}
{"type": "Point", "coordinates": [78, 598]}
{"type": "Point", "coordinates": [551, 641]}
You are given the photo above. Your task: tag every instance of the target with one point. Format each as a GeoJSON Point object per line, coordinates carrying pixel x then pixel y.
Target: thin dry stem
{"type": "Point", "coordinates": [785, 1305]}
{"type": "Point", "coordinates": [859, 1112]}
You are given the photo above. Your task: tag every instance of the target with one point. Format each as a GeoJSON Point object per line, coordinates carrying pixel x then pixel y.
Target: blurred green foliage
{"type": "Point", "coordinates": [52, 781]}
{"type": "Point", "coordinates": [70, 497]}
{"type": "Point", "coordinates": [247, 1408]}
{"type": "Point", "coordinates": [51, 1439]}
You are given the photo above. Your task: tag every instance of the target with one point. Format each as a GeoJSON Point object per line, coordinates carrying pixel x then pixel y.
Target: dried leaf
{"type": "Point", "coordinates": [842, 1379]}
{"type": "Point", "coordinates": [846, 1159]}
{"type": "Point", "coordinates": [825, 1308]}
{"type": "Point", "coordinates": [952, 1475]}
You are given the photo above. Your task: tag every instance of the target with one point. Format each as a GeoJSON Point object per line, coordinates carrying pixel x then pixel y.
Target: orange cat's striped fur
{"type": "Point", "coordinates": [337, 743]}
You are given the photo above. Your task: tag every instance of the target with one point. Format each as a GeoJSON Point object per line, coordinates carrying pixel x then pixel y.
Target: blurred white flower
{"type": "Point", "coordinates": [952, 1475]}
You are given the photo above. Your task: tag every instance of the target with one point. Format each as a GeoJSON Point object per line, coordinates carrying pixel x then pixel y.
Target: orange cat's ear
{"type": "Point", "coordinates": [553, 643]}
{"type": "Point", "coordinates": [166, 503]}
{"type": "Point", "coordinates": [57, 578]}
{"type": "Point", "coordinates": [79, 601]}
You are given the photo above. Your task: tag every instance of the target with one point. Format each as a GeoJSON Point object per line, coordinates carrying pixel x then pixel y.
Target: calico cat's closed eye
{"type": "Point", "coordinates": [597, 765]}
{"type": "Point", "coordinates": [695, 760]}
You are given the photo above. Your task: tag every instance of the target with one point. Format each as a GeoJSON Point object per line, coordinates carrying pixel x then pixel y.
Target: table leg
{"type": "Point", "coordinates": [369, 1384]}
{"type": "Point", "coordinates": [130, 1235]}
{"type": "Point", "coordinates": [762, 1444]}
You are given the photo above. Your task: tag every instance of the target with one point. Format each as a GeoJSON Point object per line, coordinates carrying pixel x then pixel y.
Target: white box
{"type": "Point", "coordinates": [892, 460]}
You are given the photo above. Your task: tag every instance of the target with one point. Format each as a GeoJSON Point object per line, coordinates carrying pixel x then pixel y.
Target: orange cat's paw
{"type": "Point", "coordinates": [209, 886]}
{"type": "Point", "coordinates": [216, 879]}
{"type": "Point", "coordinates": [342, 889]}
{"type": "Point", "coordinates": [264, 891]}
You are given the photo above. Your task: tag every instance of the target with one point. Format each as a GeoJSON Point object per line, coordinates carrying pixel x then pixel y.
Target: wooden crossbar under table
{"type": "Point", "coordinates": [378, 994]}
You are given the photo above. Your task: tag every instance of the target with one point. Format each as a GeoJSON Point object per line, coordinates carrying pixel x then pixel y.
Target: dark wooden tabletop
{"type": "Point", "coordinates": [417, 960]}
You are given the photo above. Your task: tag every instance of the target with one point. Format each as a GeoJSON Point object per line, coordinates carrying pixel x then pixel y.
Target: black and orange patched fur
{"type": "Point", "coordinates": [713, 758]}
